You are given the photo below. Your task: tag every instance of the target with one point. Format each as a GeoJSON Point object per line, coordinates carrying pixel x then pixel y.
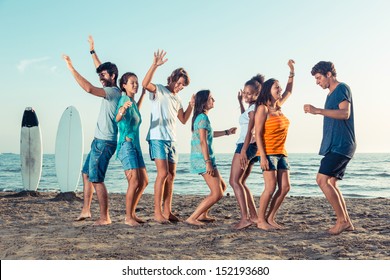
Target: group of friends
{"type": "Point", "coordinates": [263, 133]}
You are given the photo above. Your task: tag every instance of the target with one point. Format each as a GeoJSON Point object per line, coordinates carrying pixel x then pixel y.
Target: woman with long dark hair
{"type": "Point", "coordinates": [271, 127]}
{"type": "Point", "coordinates": [202, 155]}
{"type": "Point", "coordinates": [129, 151]}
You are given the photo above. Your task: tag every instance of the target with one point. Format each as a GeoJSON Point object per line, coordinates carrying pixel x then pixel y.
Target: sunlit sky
{"type": "Point", "coordinates": [220, 43]}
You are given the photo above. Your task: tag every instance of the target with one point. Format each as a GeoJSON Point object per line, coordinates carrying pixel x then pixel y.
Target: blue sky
{"type": "Point", "coordinates": [220, 43]}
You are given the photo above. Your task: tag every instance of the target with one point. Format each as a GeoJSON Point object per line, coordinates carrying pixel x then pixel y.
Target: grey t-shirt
{"type": "Point", "coordinates": [339, 135]}
{"type": "Point", "coordinates": [106, 128]}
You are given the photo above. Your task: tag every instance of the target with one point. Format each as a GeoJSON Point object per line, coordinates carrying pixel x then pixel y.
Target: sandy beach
{"type": "Point", "coordinates": [42, 227]}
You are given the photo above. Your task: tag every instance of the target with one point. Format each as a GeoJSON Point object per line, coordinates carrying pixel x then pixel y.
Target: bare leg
{"type": "Point", "coordinates": [168, 193]}
{"type": "Point", "coordinates": [283, 189]}
{"type": "Point", "coordinates": [249, 197]}
{"type": "Point", "coordinates": [133, 182]}
{"type": "Point", "coordinates": [216, 192]}
{"type": "Point", "coordinates": [102, 196]}
{"type": "Point", "coordinates": [88, 191]}
{"type": "Point", "coordinates": [333, 182]}
{"type": "Point", "coordinates": [235, 181]}
{"type": "Point", "coordinates": [333, 197]}
{"type": "Point", "coordinates": [143, 181]}
{"type": "Point", "coordinates": [265, 198]}
{"type": "Point", "coordinates": [159, 185]}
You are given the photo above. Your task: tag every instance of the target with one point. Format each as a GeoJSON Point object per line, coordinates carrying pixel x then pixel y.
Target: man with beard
{"type": "Point", "coordinates": [104, 144]}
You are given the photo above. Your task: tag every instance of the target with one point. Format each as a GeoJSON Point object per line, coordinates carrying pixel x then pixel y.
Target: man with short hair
{"type": "Point", "coordinates": [338, 143]}
{"type": "Point", "coordinates": [104, 144]}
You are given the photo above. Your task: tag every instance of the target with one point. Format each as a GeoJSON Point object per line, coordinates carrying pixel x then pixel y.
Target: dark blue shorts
{"type": "Point", "coordinates": [334, 165]}
{"type": "Point", "coordinates": [278, 162]}
{"type": "Point", "coordinates": [250, 152]}
{"type": "Point", "coordinates": [96, 164]}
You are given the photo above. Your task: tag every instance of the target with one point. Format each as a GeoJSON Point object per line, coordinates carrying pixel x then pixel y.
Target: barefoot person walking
{"type": "Point", "coordinates": [166, 108]}
{"type": "Point", "coordinates": [244, 154]}
{"type": "Point", "coordinates": [338, 141]}
{"type": "Point", "coordinates": [202, 155]}
{"type": "Point", "coordinates": [104, 144]}
{"type": "Point", "coordinates": [129, 148]}
{"type": "Point", "coordinates": [271, 127]}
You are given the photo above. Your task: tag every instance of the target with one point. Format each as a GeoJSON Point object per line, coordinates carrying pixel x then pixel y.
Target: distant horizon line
{"type": "Point", "coordinates": [291, 153]}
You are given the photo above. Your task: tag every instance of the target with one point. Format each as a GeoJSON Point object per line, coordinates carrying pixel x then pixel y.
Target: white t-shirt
{"type": "Point", "coordinates": [165, 107]}
{"type": "Point", "coordinates": [244, 122]}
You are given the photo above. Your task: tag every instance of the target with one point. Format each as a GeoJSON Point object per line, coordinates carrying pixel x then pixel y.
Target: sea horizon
{"type": "Point", "coordinates": [367, 175]}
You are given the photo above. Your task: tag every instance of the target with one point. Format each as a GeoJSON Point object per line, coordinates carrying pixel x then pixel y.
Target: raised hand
{"type": "Point", "coordinates": [91, 43]}
{"type": "Point", "coordinates": [240, 95]}
{"type": "Point", "coordinates": [159, 58]}
{"type": "Point", "coordinates": [68, 61]}
{"type": "Point", "coordinates": [290, 64]}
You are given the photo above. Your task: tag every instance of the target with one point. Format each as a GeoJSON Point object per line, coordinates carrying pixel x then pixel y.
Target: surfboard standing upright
{"type": "Point", "coordinates": [69, 150]}
{"type": "Point", "coordinates": [30, 150]}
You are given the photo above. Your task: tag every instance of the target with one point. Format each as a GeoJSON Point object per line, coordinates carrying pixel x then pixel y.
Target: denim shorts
{"type": "Point", "coordinates": [250, 152]}
{"type": "Point", "coordinates": [130, 156]}
{"type": "Point", "coordinates": [278, 162]}
{"type": "Point", "coordinates": [161, 149]}
{"type": "Point", "coordinates": [96, 164]}
{"type": "Point", "coordinates": [334, 165]}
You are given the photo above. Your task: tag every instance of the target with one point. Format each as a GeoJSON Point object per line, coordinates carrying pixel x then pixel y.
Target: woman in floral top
{"type": "Point", "coordinates": [202, 156]}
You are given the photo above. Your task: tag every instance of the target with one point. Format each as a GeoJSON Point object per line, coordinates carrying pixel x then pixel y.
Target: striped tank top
{"type": "Point", "coordinates": [275, 135]}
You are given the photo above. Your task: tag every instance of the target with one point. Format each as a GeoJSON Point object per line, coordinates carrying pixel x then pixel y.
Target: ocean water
{"type": "Point", "coordinates": [367, 176]}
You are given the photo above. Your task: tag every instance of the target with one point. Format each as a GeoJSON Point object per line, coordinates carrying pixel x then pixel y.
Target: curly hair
{"type": "Point", "coordinates": [324, 67]}
{"type": "Point", "coordinates": [177, 74]}
{"type": "Point", "coordinates": [110, 68]}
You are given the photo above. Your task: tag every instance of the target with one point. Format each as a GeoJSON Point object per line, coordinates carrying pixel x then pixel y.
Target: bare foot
{"type": "Point", "coordinates": [206, 218]}
{"type": "Point", "coordinates": [101, 222]}
{"type": "Point", "coordinates": [139, 220]}
{"type": "Point", "coordinates": [351, 226]}
{"type": "Point", "coordinates": [161, 219]}
{"type": "Point", "coordinates": [339, 228]}
{"type": "Point", "coordinates": [173, 218]}
{"type": "Point", "coordinates": [83, 216]}
{"type": "Point", "coordinates": [243, 224]}
{"type": "Point", "coordinates": [264, 226]}
{"type": "Point", "coordinates": [274, 224]}
{"type": "Point", "coordinates": [131, 222]}
{"type": "Point", "coordinates": [194, 222]}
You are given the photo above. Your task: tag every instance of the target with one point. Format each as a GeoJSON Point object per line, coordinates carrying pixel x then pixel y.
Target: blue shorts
{"type": "Point", "coordinates": [278, 162]}
{"type": "Point", "coordinates": [161, 149]}
{"type": "Point", "coordinates": [96, 164]}
{"type": "Point", "coordinates": [250, 152]}
{"type": "Point", "coordinates": [130, 156]}
{"type": "Point", "coordinates": [334, 165]}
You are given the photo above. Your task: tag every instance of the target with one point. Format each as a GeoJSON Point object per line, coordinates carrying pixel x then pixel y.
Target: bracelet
{"type": "Point", "coordinates": [292, 74]}
{"type": "Point", "coordinates": [226, 132]}
{"type": "Point", "coordinates": [207, 160]}
{"type": "Point", "coordinates": [92, 52]}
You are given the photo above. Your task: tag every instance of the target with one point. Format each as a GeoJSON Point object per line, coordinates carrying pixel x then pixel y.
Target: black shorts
{"type": "Point", "coordinates": [334, 165]}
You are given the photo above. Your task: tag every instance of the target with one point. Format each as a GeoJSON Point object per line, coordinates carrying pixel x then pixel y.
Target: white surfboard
{"type": "Point", "coordinates": [30, 150]}
{"type": "Point", "coordinates": [69, 150]}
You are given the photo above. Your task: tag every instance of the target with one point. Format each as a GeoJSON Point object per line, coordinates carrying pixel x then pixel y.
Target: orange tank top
{"type": "Point", "coordinates": [275, 135]}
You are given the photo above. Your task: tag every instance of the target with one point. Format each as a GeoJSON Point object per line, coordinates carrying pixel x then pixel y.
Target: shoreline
{"type": "Point", "coordinates": [43, 227]}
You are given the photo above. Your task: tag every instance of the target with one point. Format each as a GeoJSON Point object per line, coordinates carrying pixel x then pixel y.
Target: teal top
{"type": "Point", "coordinates": [129, 124]}
{"type": "Point", "coordinates": [198, 164]}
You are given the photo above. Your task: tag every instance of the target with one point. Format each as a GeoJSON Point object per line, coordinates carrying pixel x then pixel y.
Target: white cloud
{"type": "Point", "coordinates": [23, 64]}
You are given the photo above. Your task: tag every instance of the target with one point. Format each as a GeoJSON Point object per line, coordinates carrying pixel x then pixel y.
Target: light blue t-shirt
{"type": "Point", "coordinates": [197, 164]}
{"type": "Point", "coordinates": [129, 124]}
{"type": "Point", "coordinates": [164, 109]}
{"type": "Point", "coordinates": [106, 128]}
{"type": "Point", "coordinates": [339, 135]}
